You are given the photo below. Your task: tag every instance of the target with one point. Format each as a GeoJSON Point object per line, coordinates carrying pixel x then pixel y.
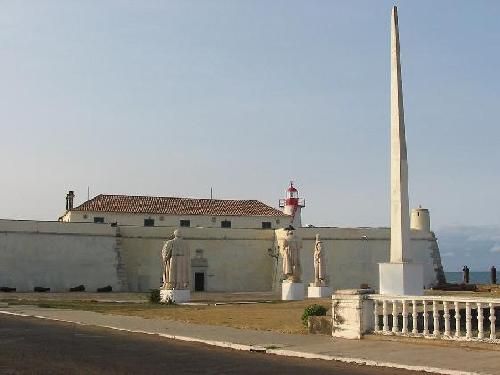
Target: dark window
{"type": "Point", "coordinates": [185, 223]}
{"type": "Point", "coordinates": [225, 224]}
{"type": "Point", "coordinates": [266, 225]}
{"type": "Point", "coordinates": [99, 220]}
{"type": "Point", "coordinates": [149, 222]}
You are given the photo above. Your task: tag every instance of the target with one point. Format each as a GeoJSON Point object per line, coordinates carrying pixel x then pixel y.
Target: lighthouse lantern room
{"type": "Point", "coordinates": [292, 205]}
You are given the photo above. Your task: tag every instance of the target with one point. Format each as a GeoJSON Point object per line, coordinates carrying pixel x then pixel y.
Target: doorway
{"type": "Point", "coordinates": [199, 281]}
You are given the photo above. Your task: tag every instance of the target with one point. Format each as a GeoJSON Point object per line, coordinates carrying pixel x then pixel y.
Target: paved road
{"type": "Point", "coordinates": [29, 345]}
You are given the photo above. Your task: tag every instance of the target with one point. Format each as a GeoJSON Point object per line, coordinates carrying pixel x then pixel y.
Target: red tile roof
{"type": "Point", "coordinates": [177, 206]}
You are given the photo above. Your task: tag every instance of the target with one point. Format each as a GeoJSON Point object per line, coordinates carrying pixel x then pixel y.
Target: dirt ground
{"type": "Point", "coordinates": [260, 311]}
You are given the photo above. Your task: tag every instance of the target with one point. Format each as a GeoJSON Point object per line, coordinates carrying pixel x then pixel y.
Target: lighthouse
{"type": "Point", "coordinates": [292, 205]}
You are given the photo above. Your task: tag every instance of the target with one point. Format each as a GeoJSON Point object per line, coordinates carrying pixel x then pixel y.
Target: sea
{"type": "Point", "coordinates": [474, 277]}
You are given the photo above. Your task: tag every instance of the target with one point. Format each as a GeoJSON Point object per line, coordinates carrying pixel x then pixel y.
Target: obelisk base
{"type": "Point", "coordinates": [399, 279]}
{"type": "Point", "coordinates": [175, 295]}
{"type": "Point", "coordinates": [292, 291]}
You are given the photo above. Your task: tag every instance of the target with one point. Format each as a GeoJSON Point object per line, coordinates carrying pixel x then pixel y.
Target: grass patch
{"type": "Point", "coordinates": [279, 316]}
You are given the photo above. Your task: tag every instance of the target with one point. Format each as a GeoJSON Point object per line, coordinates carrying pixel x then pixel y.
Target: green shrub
{"type": "Point", "coordinates": [313, 310]}
{"type": "Point", "coordinates": [45, 305]}
{"type": "Point", "coordinates": [154, 296]}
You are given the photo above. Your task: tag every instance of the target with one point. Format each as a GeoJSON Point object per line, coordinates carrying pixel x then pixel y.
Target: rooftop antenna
{"type": "Point", "coordinates": [88, 193]}
{"type": "Point", "coordinates": [211, 193]}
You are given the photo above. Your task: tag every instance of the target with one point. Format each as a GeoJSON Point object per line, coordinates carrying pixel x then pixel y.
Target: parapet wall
{"type": "Point", "coordinates": [232, 259]}
{"type": "Point", "coordinates": [353, 254]}
{"type": "Point", "coordinates": [63, 255]}
{"type": "Point", "coordinates": [57, 255]}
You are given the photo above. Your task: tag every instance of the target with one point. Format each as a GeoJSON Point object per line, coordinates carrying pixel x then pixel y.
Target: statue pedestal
{"type": "Point", "coordinates": [399, 279]}
{"type": "Point", "coordinates": [175, 295]}
{"type": "Point", "coordinates": [319, 292]}
{"type": "Point", "coordinates": [292, 291]}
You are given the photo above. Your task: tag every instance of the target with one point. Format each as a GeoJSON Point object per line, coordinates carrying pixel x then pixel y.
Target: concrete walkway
{"type": "Point", "coordinates": [443, 359]}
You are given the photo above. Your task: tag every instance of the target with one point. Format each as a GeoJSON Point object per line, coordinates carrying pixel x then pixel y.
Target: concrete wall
{"type": "Point", "coordinates": [57, 255]}
{"type": "Point", "coordinates": [63, 255]}
{"type": "Point", "coordinates": [205, 221]}
{"type": "Point", "coordinates": [353, 254]}
{"type": "Point", "coordinates": [239, 260]}
{"type": "Point", "coordinates": [236, 259]}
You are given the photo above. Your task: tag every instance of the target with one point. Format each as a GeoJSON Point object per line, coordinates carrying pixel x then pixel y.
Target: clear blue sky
{"type": "Point", "coordinates": [174, 97]}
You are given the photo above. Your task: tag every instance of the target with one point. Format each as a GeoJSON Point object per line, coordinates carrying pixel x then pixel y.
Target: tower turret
{"type": "Point", "coordinates": [420, 219]}
{"type": "Point", "coordinates": [69, 200]}
{"type": "Point", "coordinates": [292, 205]}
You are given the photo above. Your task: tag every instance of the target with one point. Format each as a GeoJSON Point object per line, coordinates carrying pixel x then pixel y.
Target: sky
{"type": "Point", "coordinates": [173, 98]}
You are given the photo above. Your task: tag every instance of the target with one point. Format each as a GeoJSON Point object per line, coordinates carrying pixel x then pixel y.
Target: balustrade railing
{"type": "Point", "coordinates": [436, 316]}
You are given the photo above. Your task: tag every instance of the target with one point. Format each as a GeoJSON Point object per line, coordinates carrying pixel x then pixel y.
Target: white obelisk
{"type": "Point", "coordinates": [400, 276]}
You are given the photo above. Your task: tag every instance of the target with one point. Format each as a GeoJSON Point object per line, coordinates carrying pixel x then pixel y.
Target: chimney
{"type": "Point", "coordinates": [69, 200]}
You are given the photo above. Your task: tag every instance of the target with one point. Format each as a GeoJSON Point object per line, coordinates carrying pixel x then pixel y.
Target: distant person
{"type": "Point", "coordinates": [465, 275]}
{"type": "Point", "coordinates": [493, 275]}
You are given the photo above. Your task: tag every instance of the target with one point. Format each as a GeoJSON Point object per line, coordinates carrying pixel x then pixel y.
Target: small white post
{"type": "Point", "coordinates": [468, 321]}
{"type": "Point", "coordinates": [457, 319]}
{"type": "Point", "coordinates": [414, 316]}
{"type": "Point", "coordinates": [493, 319]}
{"type": "Point", "coordinates": [405, 317]}
{"type": "Point", "coordinates": [426, 319]}
{"type": "Point", "coordinates": [446, 315]}
{"type": "Point", "coordinates": [375, 316]}
{"type": "Point", "coordinates": [435, 314]}
{"type": "Point", "coordinates": [395, 325]}
{"type": "Point", "coordinates": [480, 318]}
{"type": "Point", "coordinates": [385, 318]}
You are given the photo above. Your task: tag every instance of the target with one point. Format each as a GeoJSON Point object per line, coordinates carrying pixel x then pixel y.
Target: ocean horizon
{"type": "Point", "coordinates": [474, 277]}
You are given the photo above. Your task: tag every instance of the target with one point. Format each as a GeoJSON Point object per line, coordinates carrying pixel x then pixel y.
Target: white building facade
{"type": "Point", "coordinates": [175, 212]}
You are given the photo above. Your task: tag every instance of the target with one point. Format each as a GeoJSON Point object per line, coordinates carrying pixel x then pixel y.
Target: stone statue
{"type": "Point", "coordinates": [176, 263]}
{"type": "Point", "coordinates": [319, 263]}
{"type": "Point", "coordinates": [290, 251]}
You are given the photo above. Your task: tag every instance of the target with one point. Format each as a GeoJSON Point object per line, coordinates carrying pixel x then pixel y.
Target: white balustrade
{"type": "Point", "coordinates": [395, 325]}
{"type": "Point", "coordinates": [493, 319]}
{"type": "Point", "coordinates": [375, 316]}
{"type": "Point", "coordinates": [444, 309]}
{"type": "Point", "coordinates": [468, 321]}
{"type": "Point", "coordinates": [480, 317]}
{"type": "Point", "coordinates": [385, 317]}
{"type": "Point", "coordinates": [414, 316]}
{"type": "Point", "coordinates": [435, 315]}
{"type": "Point", "coordinates": [446, 316]}
{"type": "Point", "coordinates": [457, 319]}
{"type": "Point", "coordinates": [426, 319]}
{"type": "Point", "coordinates": [404, 330]}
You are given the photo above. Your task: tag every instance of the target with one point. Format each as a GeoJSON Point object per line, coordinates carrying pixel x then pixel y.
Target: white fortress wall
{"type": "Point", "coordinates": [232, 259]}
{"type": "Point", "coordinates": [353, 254]}
{"type": "Point", "coordinates": [63, 255]}
{"type": "Point", "coordinates": [57, 255]}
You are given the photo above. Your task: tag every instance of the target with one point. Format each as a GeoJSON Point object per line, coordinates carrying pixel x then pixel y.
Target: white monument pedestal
{"type": "Point", "coordinates": [401, 279]}
{"type": "Point", "coordinates": [319, 291]}
{"type": "Point", "coordinates": [292, 291]}
{"type": "Point", "coordinates": [175, 295]}
{"type": "Point", "coordinates": [352, 313]}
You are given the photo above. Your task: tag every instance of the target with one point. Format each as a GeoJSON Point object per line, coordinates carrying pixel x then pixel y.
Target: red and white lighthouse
{"type": "Point", "coordinates": [292, 205]}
